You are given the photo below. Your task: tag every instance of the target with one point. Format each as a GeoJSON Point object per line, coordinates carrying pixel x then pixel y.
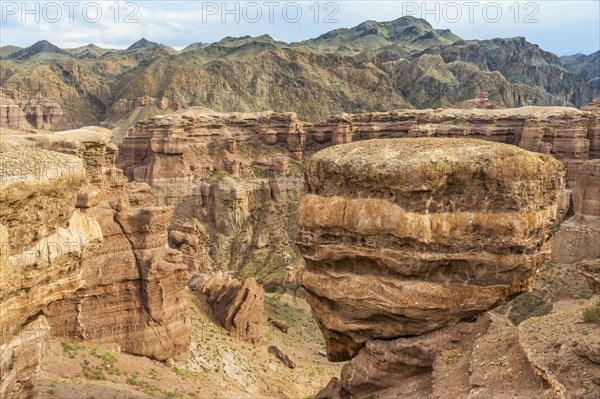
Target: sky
{"type": "Point", "coordinates": [562, 27]}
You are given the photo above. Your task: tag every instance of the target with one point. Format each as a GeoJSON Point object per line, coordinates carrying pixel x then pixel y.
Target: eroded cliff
{"type": "Point", "coordinates": [45, 241]}
{"type": "Point", "coordinates": [129, 287]}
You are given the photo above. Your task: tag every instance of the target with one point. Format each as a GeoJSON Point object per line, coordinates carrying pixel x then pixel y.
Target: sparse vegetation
{"type": "Point", "coordinates": [453, 356]}
{"type": "Point", "coordinates": [592, 313]}
{"type": "Point", "coordinates": [510, 339]}
{"type": "Point", "coordinates": [585, 331]}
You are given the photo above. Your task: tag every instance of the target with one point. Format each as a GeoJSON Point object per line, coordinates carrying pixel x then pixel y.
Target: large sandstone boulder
{"type": "Point", "coordinates": [405, 236]}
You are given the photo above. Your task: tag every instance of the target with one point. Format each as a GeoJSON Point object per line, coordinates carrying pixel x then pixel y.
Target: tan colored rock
{"type": "Point", "coordinates": [566, 357]}
{"type": "Point", "coordinates": [228, 170]}
{"type": "Point", "coordinates": [20, 359]}
{"type": "Point", "coordinates": [401, 367]}
{"type": "Point", "coordinates": [280, 324]}
{"type": "Point", "coordinates": [591, 270]}
{"type": "Point", "coordinates": [44, 241]}
{"type": "Point", "coordinates": [279, 354]}
{"type": "Point", "coordinates": [238, 307]}
{"type": "Point", "coordinates": [130, 290]}
{"type": "Point", "coordinates": [576, 243]}
{"type": "Point", "coordinates": [406, 236]}
{"type": "Point", "coordinates": [20, 113]}
{"type": "Point", "coordinates": [586, 194]}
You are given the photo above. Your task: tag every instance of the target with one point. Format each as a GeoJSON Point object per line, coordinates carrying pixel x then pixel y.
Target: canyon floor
{"type": "Point", "coordinates": [221, 366]}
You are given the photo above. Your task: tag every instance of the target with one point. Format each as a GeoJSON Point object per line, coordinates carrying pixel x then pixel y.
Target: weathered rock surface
{"type": "Point", "coordinates": [236, 174]}
{"type": "Point", "coordinates": [233, 185]}
{"type": "Point", "coordinates": [568, 356]}
{"type": "Point", "coordinates": [280, 324]}
{"type": "Point", "coordinates": [238, 307]}
{"type": "Point", "coordinates": [123, 106]}
{"type": "Point", "coordinates": [403, 237]}
{"type": "Point", "coordinates": [130, 290]}
{"type": "Point", "coordinates": [18, 112]}
{"type": "Point", "coordinates": [44, 241]}
{"type": "Point", "coordinates": [279, 354]}
{"type": "Point", "coordinates": [469, 360]}
{"type": "Point", "coordinates": [575, 245]}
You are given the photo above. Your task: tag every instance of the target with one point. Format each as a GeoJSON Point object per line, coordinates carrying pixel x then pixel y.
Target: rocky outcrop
{"type": "Point", "coordinates": [236, 173]}
{"type": "Point", "coordinates": [568, 357]}
{"type": "Point", "coordinates": [403, 237]}
{"type": "Point", "coordinates": [18, 112]}
{"type": "Point", "coordinates": [131, 288]}
{"type": "Point", "coordinates": [280, 324]}
{"type": "Point", "coordinates": [481, 102]}
{"type": "Point", "coordinates": [45, 241]}
{"type": "Point", "coordinates": [403, 367]}
{"type": "Point", "coordinates": [123, 106]}
{"type": "Point", "coordinates": [567, 134]}
{"type": "Point", "coordinates": [233, 186]}
{"type": "Point", "coordinates": [577, 238]}
{"type": "Point", "coordinates": [591, 271]}
{"type": "Point", "coordinates": [238, 307]}
{"type": "Point", "coordinates": [279, 354]}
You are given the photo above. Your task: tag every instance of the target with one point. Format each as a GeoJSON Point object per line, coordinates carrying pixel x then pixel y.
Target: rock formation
{"type": "Point", "coordinates": [403, 237]}
{"type": "Point", "coordinates": [236, 173]}
{"type": "Point", "coordinates": [279, 354]}
{"type": "Point", "coordinates": [232, 184]}
{"type": "Point", "coordinates": [123, 106]}
{"type": "Point", "coordinates": [280, 324]}
{"type": "Point", "coordinates": [238, 307]}
{"type": "Point", "coordinates": [568, 357]}
{"type": "Point", "coordinates": [130, 289]}
{"type": "Point", "coordinates": [19, 113]}
{"type": "Point", "coordinates": [45, 241]}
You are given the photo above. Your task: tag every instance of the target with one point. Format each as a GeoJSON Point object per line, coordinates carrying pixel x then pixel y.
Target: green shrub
{"type": "Point", "coordinates": [592, 314]}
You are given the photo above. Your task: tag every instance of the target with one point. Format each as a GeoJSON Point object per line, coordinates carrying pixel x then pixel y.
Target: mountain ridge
{"type": "Point", "coordinates": [373, 66]}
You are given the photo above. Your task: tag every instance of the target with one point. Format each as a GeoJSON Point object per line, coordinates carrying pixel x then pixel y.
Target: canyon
{"type": "Point", "coordinates": [119, 230]}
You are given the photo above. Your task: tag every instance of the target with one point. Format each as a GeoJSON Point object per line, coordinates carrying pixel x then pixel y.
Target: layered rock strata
{"type": "Point", "coordinates": [17, 112]}
{"type": "Point", "coordinates": [236, 174]}
{"type": "Point", "coordinates": [45, 241]}
{"type": "Point", "coordinates": [232, 182]}
{"type": "Point", "coordinates": [237, 306]}
{"type": "Point", "coordinates": [131, 288]}
{"type": "Point", "coordinates": [406, 236]}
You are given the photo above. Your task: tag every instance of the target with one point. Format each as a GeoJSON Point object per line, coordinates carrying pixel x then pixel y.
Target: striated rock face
{"type": "Point", "coordinates": [577, 237]}
{"type": "Point", "coordinates": [586, 195]}
{"type": "Point", "coordinates": [123, 106]}
{"type": "Point", "coordinates": [568, 134]}
{"type": "Point", "coordinates": [18, 112]}
{"type": "Point", "coordinates": [576, 243]}
{"type": "Point", "coordinates": [231, 181]}
{"type": "Point", "coordinates": [238, 307]}
{"type": "Point", "coordinates": [236, 173]}
{"type": "Point", "coordinates": [44, 241]}
{"type": "Point", "coordinates": [402, 237]}
{"type": "Point", "coordinates": [131, 288]}
{"type": "Point", "coordinates": [402, 366]}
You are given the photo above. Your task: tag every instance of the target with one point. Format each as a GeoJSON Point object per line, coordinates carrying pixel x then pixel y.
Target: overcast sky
{"type": "Point", "coordinates": [563, 27]}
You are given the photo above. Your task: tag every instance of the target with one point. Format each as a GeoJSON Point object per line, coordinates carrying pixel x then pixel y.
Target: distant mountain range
{"type": "Point", "coordinates": [374, 66]}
